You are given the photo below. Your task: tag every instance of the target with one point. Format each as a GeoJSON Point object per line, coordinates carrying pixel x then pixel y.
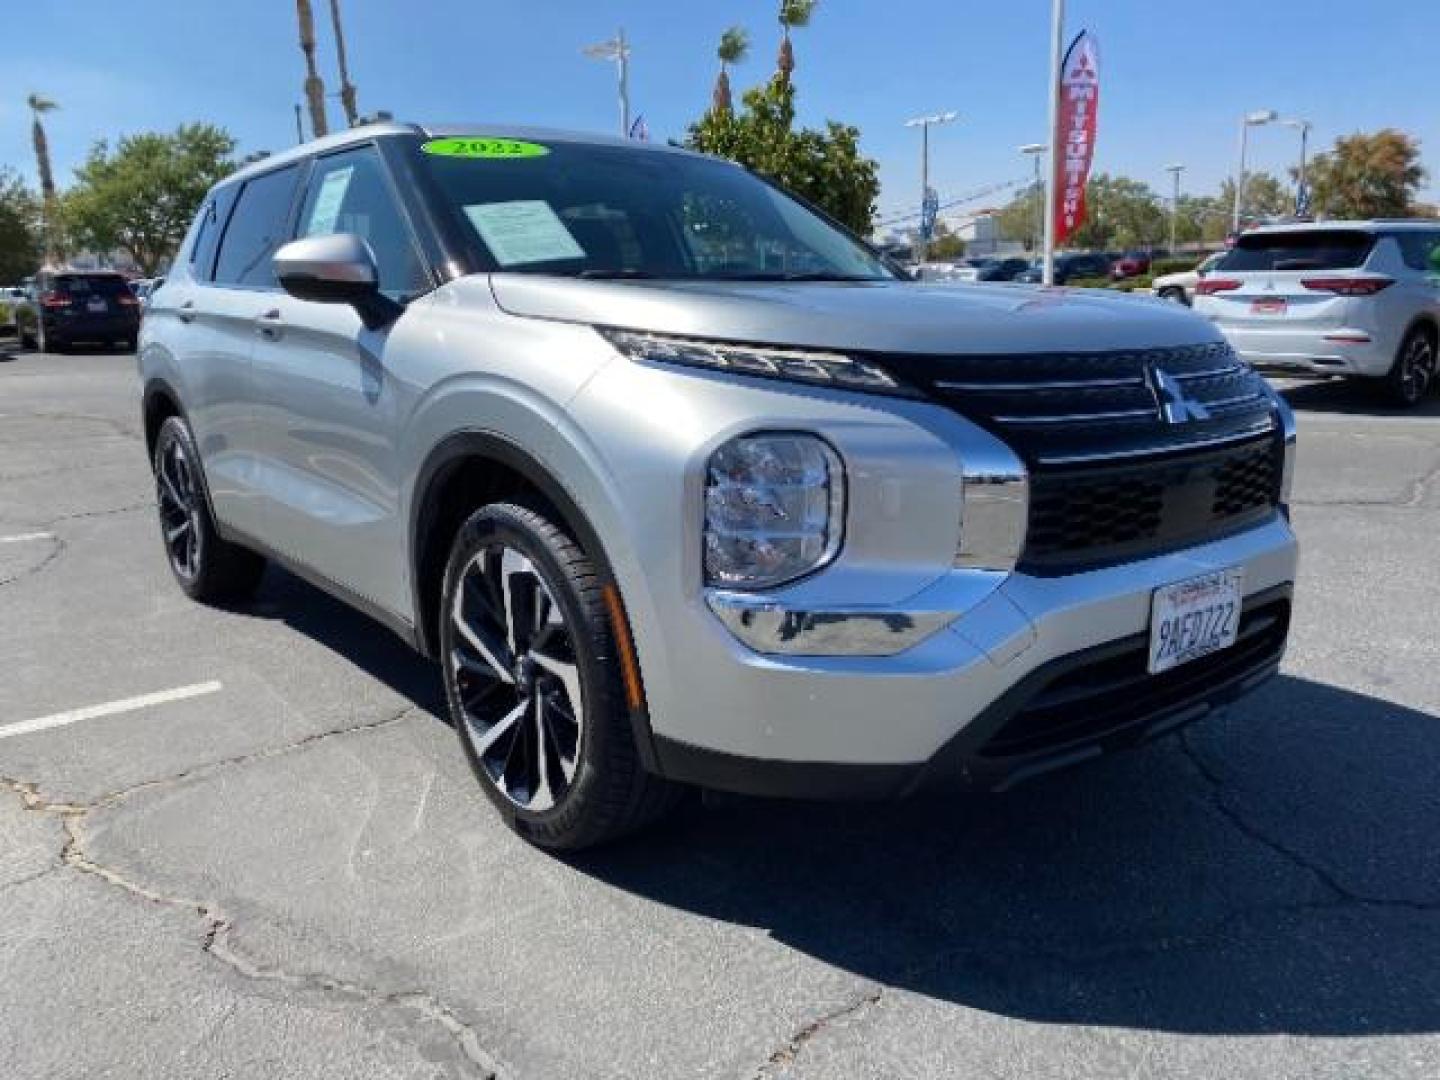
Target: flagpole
{"type": "Point", "coordinates": [1057, 149]}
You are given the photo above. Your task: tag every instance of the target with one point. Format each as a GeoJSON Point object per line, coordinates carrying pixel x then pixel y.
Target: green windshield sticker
{"type": "Point", "coordinates": [484, 148]}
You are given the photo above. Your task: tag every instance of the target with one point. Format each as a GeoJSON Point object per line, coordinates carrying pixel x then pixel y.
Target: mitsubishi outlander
{"type": "Point", "coordinates": [683, 485]}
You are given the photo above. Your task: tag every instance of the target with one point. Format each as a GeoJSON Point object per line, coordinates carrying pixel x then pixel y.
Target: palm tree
{"type": "Point", "coordinates": [314, 88]}
{"type": "Point", "coordinates": [39, 106]}
{"type": "Point", "coordinates": [793, 13]}
{"type": "Point", "coordinates": [734, 45]}
{"type": "Point", "coordinates": [347, 88]}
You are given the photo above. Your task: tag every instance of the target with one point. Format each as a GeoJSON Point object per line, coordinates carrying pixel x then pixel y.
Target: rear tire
{"type": "Point", "coordinates": [1413, 375]}
{"type": "Point", "coordinates": [207, 568]}
{"type": "Point", "coordinates": [1175, 295]}
{"type": "Point", "coordinates": [534, 685]}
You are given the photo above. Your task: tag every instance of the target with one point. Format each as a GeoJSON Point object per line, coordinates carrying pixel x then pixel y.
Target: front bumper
{"type": "Point", "coordinates": [1040, 673]}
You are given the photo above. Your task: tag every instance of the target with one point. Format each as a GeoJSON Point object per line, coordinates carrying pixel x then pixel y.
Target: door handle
{"type": "Point", "coordinates": [270, 325]}
{"type": "Point", "coordinates": [186, 311]}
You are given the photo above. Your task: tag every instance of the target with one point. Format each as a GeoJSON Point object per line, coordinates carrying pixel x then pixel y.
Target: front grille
{"type": "Point", "coordinates": [1111, 477]}
{"type": "Point", "coordinates": [1114, 692]}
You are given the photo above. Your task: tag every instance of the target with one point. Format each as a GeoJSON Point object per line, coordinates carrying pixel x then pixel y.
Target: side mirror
{"type": "Point", "coordinates": [336, 269]}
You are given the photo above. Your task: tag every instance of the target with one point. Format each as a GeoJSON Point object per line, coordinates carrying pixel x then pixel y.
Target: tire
{"type": "Point", "coordinates": [1413, 375]}
{"type": "Point", "coordinates": [207, 568]}
{"type": "Point", "coordinates": [524, 630]}
{"type": "Point", "coordinates": [1174, 294]}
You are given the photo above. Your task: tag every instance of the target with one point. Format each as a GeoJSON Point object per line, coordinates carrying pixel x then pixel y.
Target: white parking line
{"type": "Point", "coordinates": [22, 537]}
{"type": "Point", "coordinates": [109, 708]}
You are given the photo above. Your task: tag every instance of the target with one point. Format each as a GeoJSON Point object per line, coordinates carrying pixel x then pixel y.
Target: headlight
{"type": "Point", "coordinates": [774, 509]}
{"type": "Point", "coordinates": [794, 365]}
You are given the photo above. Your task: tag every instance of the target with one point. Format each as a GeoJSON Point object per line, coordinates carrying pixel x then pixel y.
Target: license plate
{"type": "Point", "coordinates": [1194, 618]}
{"type": "Point", "coordinates": [1268, 306]}
{"type": "Point", "coordinates": [96, 305]}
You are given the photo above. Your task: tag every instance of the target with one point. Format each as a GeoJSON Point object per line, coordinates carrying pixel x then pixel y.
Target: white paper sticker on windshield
{"type": "Point", "coordinates": [326, 212]}
{"type": "Point", "coordinates": [527, 231]}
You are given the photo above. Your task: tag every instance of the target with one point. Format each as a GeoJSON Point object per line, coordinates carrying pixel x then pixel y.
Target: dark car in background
{"type": "Point", "coordinates": [1071, 266]}
{"type": "Point", "coordinates": [991, 269]}
{"type": "Point", "coordinates": [68, 307]}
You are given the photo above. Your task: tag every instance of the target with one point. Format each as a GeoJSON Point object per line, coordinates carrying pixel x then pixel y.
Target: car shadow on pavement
{"type": "Point", "coordinates": [1350, 398]}
{"type": "Point", "coordinates": [1276, 870]}
{"type": "Point", "coordinates": [1273, 870]}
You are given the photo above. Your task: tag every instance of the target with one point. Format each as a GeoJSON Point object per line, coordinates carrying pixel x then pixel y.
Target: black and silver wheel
{"type": "Point", "coordinates": [207, 567]}
{"type": "Point", "coordinates": [1414, 372]}
{"type": "Point", "coordinates": [1175, 294]}
{"type": "Point", "coordinates": [534, 685]}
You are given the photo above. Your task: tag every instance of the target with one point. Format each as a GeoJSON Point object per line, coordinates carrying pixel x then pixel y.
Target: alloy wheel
{"type": "Point", "coordinates": [180, 507]}
{"type": "Point", "coordinates": [1418, 367]}
{"type": "Point", "coordinates": [517, 679]}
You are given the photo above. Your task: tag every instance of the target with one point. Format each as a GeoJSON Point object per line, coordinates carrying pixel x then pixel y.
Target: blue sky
{"type": "Point", "coordinates": [1176, 77]}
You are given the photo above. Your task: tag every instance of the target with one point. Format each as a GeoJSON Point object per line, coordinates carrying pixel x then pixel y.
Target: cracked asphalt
{"type": "Point", "coordinates": [295, 876]}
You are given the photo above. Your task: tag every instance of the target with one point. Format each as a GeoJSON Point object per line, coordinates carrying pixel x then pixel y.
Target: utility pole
{"type": "Point", "coordinates": [1301, 194]}
{"type": "Point", "coordinates": [1036, 151]}
{"type": "Point", "coordinates": [927, 220]}
{"type": "Point", "coordinates": [1174, 171]}
{"type": "Point", "coordinates": [1249, 120]}
{"type": "Point", "coordinates": [1057, 31]}
{"type": "Point", "coordinates": [618, 50]}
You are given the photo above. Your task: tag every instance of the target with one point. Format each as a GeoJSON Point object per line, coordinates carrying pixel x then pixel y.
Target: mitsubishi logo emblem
{"type": "Point", "coordinates": [1175, 407]}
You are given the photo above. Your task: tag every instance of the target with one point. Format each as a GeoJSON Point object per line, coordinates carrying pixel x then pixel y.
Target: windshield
{"type": "Point", "coordinates": [1320, 249]}
{"type": "Point", "coordinates": [582, 210]}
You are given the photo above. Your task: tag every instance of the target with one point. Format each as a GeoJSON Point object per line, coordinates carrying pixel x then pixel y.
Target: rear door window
{"type": "Point", "coordinates": [1418, 247]}
{"type": "Point", "coordinates": [259, 225]}
{"type": "Point", "coordinates": [207, 236]}
{"type": "Point", "coordinates": [1321, 249]}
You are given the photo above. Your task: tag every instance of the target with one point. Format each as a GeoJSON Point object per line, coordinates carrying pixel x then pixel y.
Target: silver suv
{"type": "Point", "coordinates": [683, 485]}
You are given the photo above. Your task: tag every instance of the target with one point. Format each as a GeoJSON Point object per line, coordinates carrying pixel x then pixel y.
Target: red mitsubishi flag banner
{"type": "Point", "coordinates": [1079, 106]}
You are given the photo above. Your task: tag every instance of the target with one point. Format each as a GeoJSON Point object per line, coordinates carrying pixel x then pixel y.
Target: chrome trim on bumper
{"type": "Point", "coordinates": [994, 507]}
{"type": "Point", "coordinates": [768, 626]}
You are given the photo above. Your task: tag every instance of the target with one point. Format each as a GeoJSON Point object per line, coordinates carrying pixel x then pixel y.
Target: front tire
{"type": "Point", "coordinates": [207, 568]}
{"type": "Point", "coordinates": [1413, 375]}
{"type": "Point", "coordinates": [534, 685]}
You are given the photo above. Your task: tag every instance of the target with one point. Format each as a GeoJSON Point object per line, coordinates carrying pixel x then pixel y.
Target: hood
{"type": "Point", "coordinates": [868, 316]}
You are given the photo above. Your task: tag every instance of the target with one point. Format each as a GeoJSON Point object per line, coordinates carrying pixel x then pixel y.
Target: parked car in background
{"type": "Point", "coordinates": [11, 298]}
{"type": "Point", "coordinates": [1069, 266]}
{"type": "Point", "coordinates": [144, 288]}
{"type": "Point", "coordinates": [990, 268]}
{"type": "Point", "coordinates": [1352, 298]}
{"type": "Point", "coordinates": [1180, 286]}
{"type": "Point", "coordinates": [1131, 264]}
{"type": "Point", "coordinates": [681, 484]}
{"type": "Point", "coordinates": [68, 307]}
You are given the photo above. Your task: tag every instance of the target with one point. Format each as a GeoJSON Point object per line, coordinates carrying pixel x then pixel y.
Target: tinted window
{"type": "Point", "coordinates": [348, 194]}
{"type": "Point", "coordinates": [257, 227]}
{"type": "Point", "coordinates": [207, 238]}
{"type": "Point", "coordinates": [1418, 249]}
{"type": "Point", "coordinates": [605, 210]}
{"type": "Point", "coordinates": [1321, 249]}
{"type": "Point", "coordinates": [91, 285]}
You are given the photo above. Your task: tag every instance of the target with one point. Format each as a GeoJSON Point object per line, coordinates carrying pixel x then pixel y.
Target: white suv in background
{"type": "Point", "coordinates": [1354, 298]}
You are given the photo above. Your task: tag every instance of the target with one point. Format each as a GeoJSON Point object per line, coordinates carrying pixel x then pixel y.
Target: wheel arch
{"type": "Point", "coordinates": [159, 402]}
{"type": "Point", "coordinates": [462, 471]}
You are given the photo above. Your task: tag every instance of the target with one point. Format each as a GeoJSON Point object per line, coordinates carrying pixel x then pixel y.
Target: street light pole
{"type": "Point", "coordinates": [1174, 171]}
{"type": "Point", "coordinates": [923, 123]}
{"type": "Point", "coordinates": [1057, 31]}
{"type": "Point", "coordinates": [1249, 120]}
{"type": "Point", "coordinates": [1036, 151]}
{"type": "Point", "coordinates": [618, 50]}
{"type": "Point", "coordinates": [1304, 128]}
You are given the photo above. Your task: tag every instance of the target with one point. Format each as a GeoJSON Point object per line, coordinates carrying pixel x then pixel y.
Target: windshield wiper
{"type": "Point", "coordinates": [819, 276]}
{"type": "Point", "coordinates": [614, 275]}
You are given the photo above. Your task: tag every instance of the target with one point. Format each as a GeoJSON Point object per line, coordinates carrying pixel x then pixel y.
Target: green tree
{"type": "Point", "coordinates": [141, 196]}
{"type": "Point", "coordinates": [1121, 213]}
{"type": "Point", "coordinates": [1367, 176]}
{"type": "Point", "coordinates": [1266, 196]}
{"type": "Point", "coordinates": [1020, 217]}
{"type": "Point", "coordinates": [946, 245]}
{"type": "Point", "coordinates": [734, 45]}
{"type": "Point", "coordinates": [825, 167]}
{"type": "Point", "coordinates": [20, 238]}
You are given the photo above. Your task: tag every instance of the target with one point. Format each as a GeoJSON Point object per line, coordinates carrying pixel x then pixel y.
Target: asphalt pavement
{"type": "Point", "coordinates": [243, 843]}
